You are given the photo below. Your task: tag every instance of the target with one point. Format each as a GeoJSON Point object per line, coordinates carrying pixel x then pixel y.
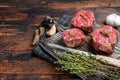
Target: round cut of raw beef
{"type": "Point", "coordinates": [105, 38]}
{"type": "Point", "coordinates": [73, 37]}
{"type": "Point", "coordinates": [84, 20]}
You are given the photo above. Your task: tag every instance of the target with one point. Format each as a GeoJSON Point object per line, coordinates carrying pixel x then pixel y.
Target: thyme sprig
{"type": "Point", "coordinates": [84, 17]}
{"type": "Point", "coordinates": [71, 33]}
{"type": "Point", "coordinates": [87, 65]}
{"type": "Point", "coordinates": [104, 32]}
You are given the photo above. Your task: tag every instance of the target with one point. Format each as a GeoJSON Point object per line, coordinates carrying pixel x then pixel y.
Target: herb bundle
{"type": "Point", "coordinates": [87, 65]}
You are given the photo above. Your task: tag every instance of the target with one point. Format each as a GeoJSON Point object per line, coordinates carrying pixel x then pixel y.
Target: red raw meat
{"type": "Point", "coordinates": [84, 20]}
{"type": "Point", "coordinates": [105, 38]}
{"type": "Point", "coordinates": [73, 37]}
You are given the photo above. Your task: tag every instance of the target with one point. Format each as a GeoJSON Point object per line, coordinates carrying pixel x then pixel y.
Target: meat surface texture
{"type": "Point", "coordinates": [105, 38]}
{"type": "Point", "coordinates": [73, 37]}
{"type": "Point", "coordinates": [84, 20]}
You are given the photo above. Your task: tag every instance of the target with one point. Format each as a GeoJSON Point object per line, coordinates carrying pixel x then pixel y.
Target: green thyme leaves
{"type": "Point", "coordinates": [104, 32]}
{"type": "Point", "coordinates": [71, 33]}
{"type": "Point", "coordinates": [78, 63]}
{"type": "Point", "coordinates": [75, 62]}
{"type": "Point", "coordinates": [84, 16]}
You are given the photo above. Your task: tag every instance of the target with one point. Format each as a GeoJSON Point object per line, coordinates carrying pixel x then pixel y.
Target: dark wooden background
{"type": "Point", "coordinates": [18, 20]}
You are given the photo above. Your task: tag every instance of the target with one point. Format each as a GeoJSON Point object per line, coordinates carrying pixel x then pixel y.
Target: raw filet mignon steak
{"type": "Point", "coordinates": [84, 20]}
{"type": "Point", "coordinates": [105, 38]}
{"type": "Point", "coordinates": [73, 37]}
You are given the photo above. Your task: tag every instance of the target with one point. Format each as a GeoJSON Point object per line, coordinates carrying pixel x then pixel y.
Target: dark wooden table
{"type": "Point", "coordinates": [18, 20]}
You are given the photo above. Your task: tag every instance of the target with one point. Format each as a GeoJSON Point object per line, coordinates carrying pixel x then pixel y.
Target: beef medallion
{"type": "Point", "coordinates": [84, 20]}
{"type": "Point", "coordinates": [73, 37]}
{"type": "Point", "coordinates": [105, 38]}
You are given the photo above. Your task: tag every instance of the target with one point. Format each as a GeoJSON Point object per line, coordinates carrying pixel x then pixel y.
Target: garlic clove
{"type": "Point", "coordinates": [42, 30]}
{"type": "Point", "coordinates": [117, 21]}
{"type": "Point", "coordinates": [52, 30]}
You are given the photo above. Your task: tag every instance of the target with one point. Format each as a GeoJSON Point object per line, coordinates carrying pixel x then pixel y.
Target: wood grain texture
{"type": "Point", "coordinates": [18, 20]}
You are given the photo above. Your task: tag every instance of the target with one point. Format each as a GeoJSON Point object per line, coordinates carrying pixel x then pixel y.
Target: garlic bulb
{"type": "Point", "coordinates": [113, 20]}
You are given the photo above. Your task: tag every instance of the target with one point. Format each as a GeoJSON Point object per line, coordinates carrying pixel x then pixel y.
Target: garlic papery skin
{"type": "Point", "coordinates": [113, 20]}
